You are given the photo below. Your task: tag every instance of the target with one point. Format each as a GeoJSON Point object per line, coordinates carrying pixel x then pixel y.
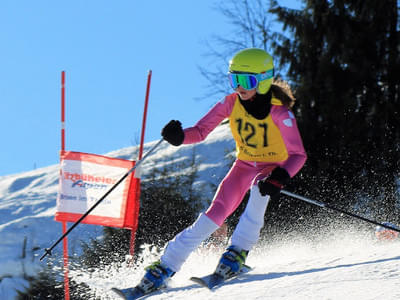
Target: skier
{"type": "Point", "coordinates": [269, 152]}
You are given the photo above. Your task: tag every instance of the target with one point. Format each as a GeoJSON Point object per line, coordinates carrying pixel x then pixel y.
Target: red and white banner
{"type": "Point", "coordinates": [85, 178]}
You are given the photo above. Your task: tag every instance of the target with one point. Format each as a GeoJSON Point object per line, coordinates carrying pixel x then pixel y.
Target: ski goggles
{"type": "Point", "coordinates": [248, 81]}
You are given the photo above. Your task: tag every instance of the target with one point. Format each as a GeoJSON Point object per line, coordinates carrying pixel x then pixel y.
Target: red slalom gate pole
{"type": "Point", "coordinates": [62, 111]}
{"type": "Point", "coordinates": [64, 224]}
{"type": "Point", "coordinates": [146, 102]}
{"type": "Point", "coordinates": [66, 270]}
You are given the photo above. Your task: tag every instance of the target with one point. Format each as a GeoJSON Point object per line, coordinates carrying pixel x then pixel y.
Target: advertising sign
{"type": "Point", "coordinates": [85, 178]}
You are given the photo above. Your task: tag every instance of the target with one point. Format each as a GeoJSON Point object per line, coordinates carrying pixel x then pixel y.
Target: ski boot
{"type": "Point", "coordinates": [231, 262]}
{"type": "Point", "coordinates": [155, 277]}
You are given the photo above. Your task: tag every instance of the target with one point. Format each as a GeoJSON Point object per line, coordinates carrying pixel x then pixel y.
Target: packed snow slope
{"type": "Point", "coordinates": [343, 265]}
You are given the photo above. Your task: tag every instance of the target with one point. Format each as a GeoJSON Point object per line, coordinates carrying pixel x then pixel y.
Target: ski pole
{"type": "Point", "coordinates": [47, 251]}
{"type": "Point", "coordinates": [325, 205]}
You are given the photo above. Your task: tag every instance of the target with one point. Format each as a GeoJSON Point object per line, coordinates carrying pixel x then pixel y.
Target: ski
{"type": "Point", "coordinates": [214, 280]}
{"type": "Point", "coordinates": [133, 293]}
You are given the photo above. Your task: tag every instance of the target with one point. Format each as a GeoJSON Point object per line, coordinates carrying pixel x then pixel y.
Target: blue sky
{"type": "Point", "coordinates": [106, 49]}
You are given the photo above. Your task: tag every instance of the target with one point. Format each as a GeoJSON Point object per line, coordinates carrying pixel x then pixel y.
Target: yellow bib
{"type": "Point", "coordinates": [256, 140]}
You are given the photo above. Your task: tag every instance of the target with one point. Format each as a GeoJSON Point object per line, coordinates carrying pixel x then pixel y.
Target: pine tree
{"type": "Point", "coordinates": [343, 59]}
{"type": "Point", "coordinates": [49, 284]}
{"type": "Point", "coordinates": [43, 286]}
{"type": "Point", "coordinates": [169, 203]}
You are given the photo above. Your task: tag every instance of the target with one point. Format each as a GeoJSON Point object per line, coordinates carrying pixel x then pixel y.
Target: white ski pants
{"type": "Point", "coordinates": [246, 233]}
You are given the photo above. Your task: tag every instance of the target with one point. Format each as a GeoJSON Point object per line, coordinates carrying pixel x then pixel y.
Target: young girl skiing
{"type": "Point", "coordinates": [269, 152]}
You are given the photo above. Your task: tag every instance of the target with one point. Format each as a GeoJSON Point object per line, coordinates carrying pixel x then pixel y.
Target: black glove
{"type": "Point", "coordinates": [173, 133]}
{"type": "Point", "coordinates": [273, 184]}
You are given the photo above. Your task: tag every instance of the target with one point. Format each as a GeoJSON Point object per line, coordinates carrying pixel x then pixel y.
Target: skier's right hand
{"type": "Point", "coordinates": [173, 133]}
{"type": "Point", "coordinates": [273, 184]}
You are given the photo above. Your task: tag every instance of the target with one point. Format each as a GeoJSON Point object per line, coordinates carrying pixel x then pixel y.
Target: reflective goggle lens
{"type": "Point", "coordinates": [246, 81]}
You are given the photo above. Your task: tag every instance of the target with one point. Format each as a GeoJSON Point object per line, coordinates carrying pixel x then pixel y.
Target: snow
{"type": "Point", "coordinates": [341, 265]}
{"type": "Point", "coordinates": [348, 266]}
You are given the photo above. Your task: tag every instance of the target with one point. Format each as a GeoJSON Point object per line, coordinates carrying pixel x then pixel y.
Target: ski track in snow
{"type": "Point", "coordinates": [348, 267]}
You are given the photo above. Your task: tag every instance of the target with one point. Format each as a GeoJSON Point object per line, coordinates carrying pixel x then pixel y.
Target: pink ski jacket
{"type": "Point", "coordinates": [275, 139]}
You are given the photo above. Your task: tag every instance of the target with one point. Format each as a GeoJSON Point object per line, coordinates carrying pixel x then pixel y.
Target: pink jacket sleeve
{"type": "Point", "coordinates": [212, 119]}
{"type": "Point", "coordinates": [286, 122]}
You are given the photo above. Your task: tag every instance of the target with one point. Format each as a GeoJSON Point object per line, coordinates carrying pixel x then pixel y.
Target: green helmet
{"type": "Point", "coordinates": [254, 60]}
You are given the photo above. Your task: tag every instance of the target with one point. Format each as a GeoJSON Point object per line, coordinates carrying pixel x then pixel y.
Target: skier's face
{"type": "Point", "coordinates": [245, 94]}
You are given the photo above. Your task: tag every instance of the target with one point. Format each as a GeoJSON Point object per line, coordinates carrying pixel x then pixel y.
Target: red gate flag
{"type": "Point", "coordinates": [85, 178]}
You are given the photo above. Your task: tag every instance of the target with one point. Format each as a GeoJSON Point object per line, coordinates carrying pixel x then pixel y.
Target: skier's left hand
{"type": "Point", "coordinates": [273, 184]}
